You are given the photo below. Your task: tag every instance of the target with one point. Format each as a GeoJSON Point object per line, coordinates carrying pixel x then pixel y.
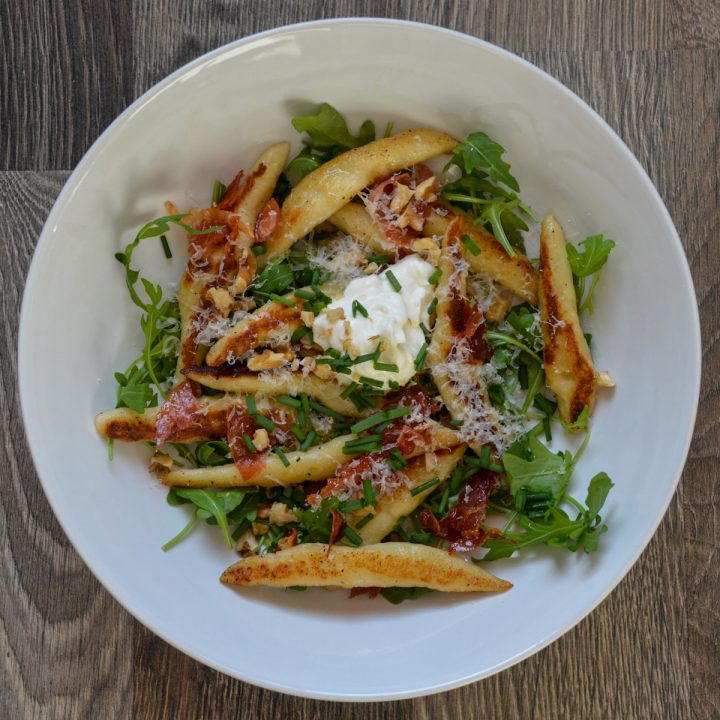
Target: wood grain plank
{"type": "Point", "coordinates": [65, 644]}
{"type": "Point", "coordinates": [193, 27]}
{"type": "Point", "coordinates": [65, 73]}
{"type": "Point", "coordinates": [698, 202]}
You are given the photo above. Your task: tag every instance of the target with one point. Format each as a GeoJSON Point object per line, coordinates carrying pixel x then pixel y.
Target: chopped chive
{"type": "Point", "coordinates": [396, 460]}
{"type": "Point", "coordinates": [282, 300]}
{"type": "Point", "coordinates": [436, 275]}
{"type": "Point", "coordinates": [351, 506]}
{"type": "Point", "coordinates": [494, 467]}
{"type": "Point", "coordinates": [369, 422]}
{"type": "Point", "coordinates": [432, 306]}
{"type": "Point", "coordinates": [352, 536]}
{"type": "Point", "coordinates": [396, 286]}
{"type": "Point", "coordinates": [380, 259]}
{"type": "Point", "coordinates": [368, 491]}
{"type": "Point", "coordinates": [349, 390]}
{"type": "Point", "coordinates": [320, 295]}
{"type": "Point", "coordinates": [250, 446]}
{"type": "Point", "coordinates": [305, 400]}
{"type": "Point", "coordinates": [424, 329]}
{"type": "Point", "coordinates": [304, 294]}
{"type": "Point", "coordinates": [456, 479]}
{"type": "Point", "coordinates": [468, 242]}
{"type": "Point", "coordinates": [425, 486]}
{"type": "Point", "coordinates": [547, 428]}
{"type": "Point", "coordinates": [485, 456]}
{"type": "Point", "coordinates": [394, 385]}
{"type": "Point", "coordinates": [258, 249]}
{"type": "Point", "coordinates": [370, 382]}
{"type": "Point", "coordinates": [323, 410]}
{"type": "Point", "coordinates": [398, 412]}
{"type": "Point", "coordinates": [362, 445]}
{"type": "Point", "coordinates": [358, 307]}
{"type": "Point", "coordinates": [300, 333]}
{"type": "Point", "coordinates": [251, 405]}
{"type": "Point", "coordinates": [218, 191]}
{"type": "Point", "coordinates": [444, 499]}
{"type": "Point", "coordinates": [364, 520]}
{"type": "Point", "coordinates": [374, 355]}
{"type": "Point", "coordinates": [165, 246]}
{"type": "Point", "coordinates": [264, 422]}
{"type": "Point", "coordinates": [282, 456]}
{"type": "Point", "coordinates": [457, 423]}
{"type": "Point", "coordinates": [289, 401]}
{"type": "Point", "coordinates": [386, 367]}
{"type": "Point", "coordinates": [388, 129]}
{"type": "Point", "coordinates": [308, 441]}
{"type": "Point", "coordinates": [420, 359]}
{"type": "Point", "coordinates": [297, 431]}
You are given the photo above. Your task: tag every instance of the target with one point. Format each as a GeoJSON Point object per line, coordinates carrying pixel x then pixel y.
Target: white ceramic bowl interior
{"type": "Point", "coordinates": [214, 116]}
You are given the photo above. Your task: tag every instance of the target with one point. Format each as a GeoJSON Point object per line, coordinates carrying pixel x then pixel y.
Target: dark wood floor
{"type": "Point", "coordinates": [651, 68]}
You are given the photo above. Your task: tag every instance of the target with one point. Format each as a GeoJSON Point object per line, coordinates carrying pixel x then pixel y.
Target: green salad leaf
{"type": "Point", "coordinates": [487, 189]}
{"type": "Point", "coordinates": [327, 128]}
{"type": "Point", "coordinates": [589, 262]}
{"type": "Point", "coordinates": [545, 471]}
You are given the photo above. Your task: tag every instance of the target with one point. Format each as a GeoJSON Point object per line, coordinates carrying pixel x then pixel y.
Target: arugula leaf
{"type": "Point", "coordinates": [134, 391]}
{"type": "Point", "coordinates": [544, 471]}
{"type": "Point", "coordinates": [481, 151]}
{"type": "Point", "coordinates": [304, 163]}
{"type": "Point", "coordinates": [597, 493]}
{"type": "Point", "coordinates": [592, 258]}
{"type": "Point", "coordinates": [556, 528]}
{"type": "Point", "coordinates": [580, 424]}
{"type": "Point", "coordinates": [276, 278]}
{"type": "Point", "coordinates": [487, 189]}
{"type": "Point", "coordinates": [396, 595]}
{"type": "Point", "coordinates": [328, 128]}
{"type": "Point", "coordinates": [586, 263]}
{"type": "Point", "coordinates": [214, 505]}
{"type": "Point", "coordinates": [318, 523]}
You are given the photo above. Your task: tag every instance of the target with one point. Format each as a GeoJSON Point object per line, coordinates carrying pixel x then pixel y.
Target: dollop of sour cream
{"type": "Point", "coordinates": [392, 322]}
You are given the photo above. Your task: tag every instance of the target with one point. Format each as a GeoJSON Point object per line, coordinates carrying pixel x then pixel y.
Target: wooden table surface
{"type": "Point", "coordinates": [651, 68]}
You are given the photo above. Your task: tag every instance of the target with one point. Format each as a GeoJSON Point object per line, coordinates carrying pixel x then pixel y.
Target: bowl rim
{"type": "Point", "coordinates": [24, 346]}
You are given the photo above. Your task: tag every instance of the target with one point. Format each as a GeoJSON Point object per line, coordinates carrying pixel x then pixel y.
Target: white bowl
{"type": "Point", "coordinates": [78, 326]}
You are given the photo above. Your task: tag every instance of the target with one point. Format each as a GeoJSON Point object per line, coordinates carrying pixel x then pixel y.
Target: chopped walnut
{"type": "Point", "coordinates": [409, 216]}
{"type": "Point", "coordinates": [336, 314]}
{"type": "Point", "coordinates": [324, 372]}
{"type": "Point", "coordinates": [267, 360]}
{"type": "Point", "coordinates": [281, 514]}
{"type": "Point", "coordinates": [370, 268]}
{"type": "Point", "coordinates": [261, 440]}
{"type": "Point", "coordinates": [402, 195]}
{"type": "Point", "coordinates": [160, 463]}
{"type": "Point", "coordinates": [307, 318]}
{"type": "Point", "coordinates": [288, 541]}
{"type": "Point", "coordinates": [259, 529]}
{"type": "Point", "coordinates": [428, 247]}
{"type": "Point", "coordinates": [499, 307]}
{"type": "Point", "coordinates": [246, 544]}
{"type": "Point", "coordinates": [426, 190]}
{"type": "Point", "coordinates": [221, 299]}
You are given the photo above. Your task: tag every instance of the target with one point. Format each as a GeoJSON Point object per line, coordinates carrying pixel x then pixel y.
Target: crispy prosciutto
{"type": "Point", "coordinates": [462, 526]}
{"type": "Point", "coordinates": [267, 221]}
{"type": "Point", "coordinates": [182, 415]}
{"type": "Point", "coordinates": [405, 434]}
{"type": "Point", "coordinates": [240, 423]}
{"type": "Point", "coordinates": [396, 207]}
